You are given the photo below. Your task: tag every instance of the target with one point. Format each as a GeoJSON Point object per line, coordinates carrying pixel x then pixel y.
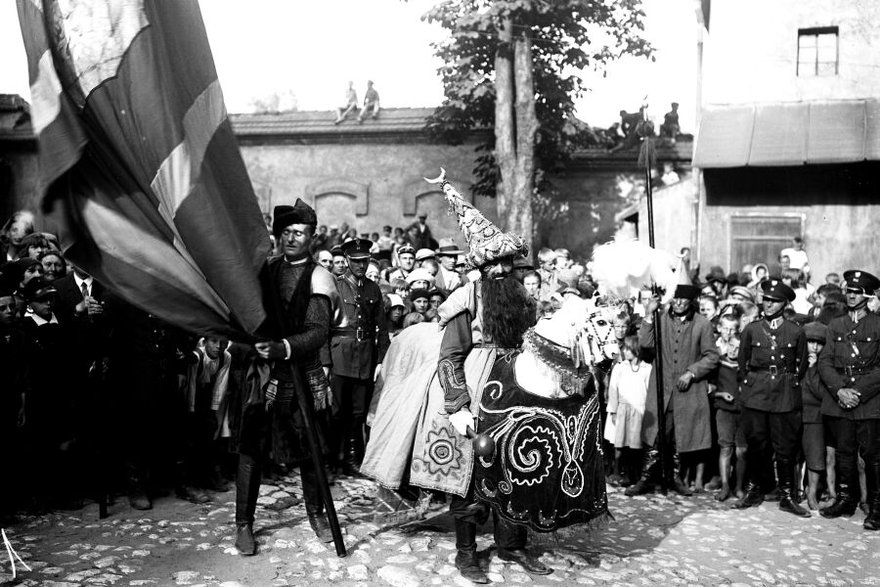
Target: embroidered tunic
{"type": "Point", "coordinates": [547, 470]}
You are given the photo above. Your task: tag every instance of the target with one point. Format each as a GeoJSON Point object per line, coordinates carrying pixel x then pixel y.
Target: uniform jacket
{"type": "Point", "coordinates": [772, 362]}
{"type": "Point", "coordinates": [359, 337]}
{"type": "Point", "coordinates": [851, 359]}
{"type": "Point", "coordinates": [688, 345]}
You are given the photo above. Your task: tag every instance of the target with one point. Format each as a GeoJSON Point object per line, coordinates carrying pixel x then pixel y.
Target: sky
{"type": "Point", "coordinates": [311, 49]}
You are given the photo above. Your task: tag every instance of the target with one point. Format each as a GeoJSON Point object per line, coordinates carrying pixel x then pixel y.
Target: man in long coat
{"type": "Point", "coordinates": [689, 356]}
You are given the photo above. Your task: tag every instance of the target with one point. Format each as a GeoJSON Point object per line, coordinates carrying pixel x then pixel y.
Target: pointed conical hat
{"type": "Point", "coordinates": [486, 242]}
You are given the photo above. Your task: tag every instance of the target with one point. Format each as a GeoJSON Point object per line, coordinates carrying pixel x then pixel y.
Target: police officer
{"type": "Point", "coordinates": [850, 367]}
{"type": "Point", "coordinates": [772, 361]}
{"type": "Point", "coordinates": [358, 342]}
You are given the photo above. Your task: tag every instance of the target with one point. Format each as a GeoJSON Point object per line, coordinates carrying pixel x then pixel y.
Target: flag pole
{"type": "Point", "coordinates": [305, 404]}
{"type": "Point", "coordinates": [647, 156]}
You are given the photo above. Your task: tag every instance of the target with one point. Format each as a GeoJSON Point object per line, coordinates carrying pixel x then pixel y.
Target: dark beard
{"type": "Point", "coordinates": [508, 311]}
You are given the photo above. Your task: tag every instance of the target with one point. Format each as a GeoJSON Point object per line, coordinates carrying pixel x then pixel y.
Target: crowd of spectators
{"type": "Point", "coordinates": [105, 397]}
{"type": "Point", "coordinates": [730, 302]}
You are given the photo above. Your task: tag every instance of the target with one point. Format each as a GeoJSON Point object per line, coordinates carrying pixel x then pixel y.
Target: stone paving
{"type": "Point", "coordinates": [653, 540]}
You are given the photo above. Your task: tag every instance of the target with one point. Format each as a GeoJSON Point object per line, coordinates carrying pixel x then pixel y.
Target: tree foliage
{"type": "Point", "coordinates": [567, 36]}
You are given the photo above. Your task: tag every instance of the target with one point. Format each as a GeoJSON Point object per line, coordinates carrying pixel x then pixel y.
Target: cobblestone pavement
{"type": "Point", "coordinates": [653, 540]}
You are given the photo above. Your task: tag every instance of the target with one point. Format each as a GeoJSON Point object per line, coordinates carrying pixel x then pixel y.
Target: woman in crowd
{"type": "Point", "coordinates": [54, 265]}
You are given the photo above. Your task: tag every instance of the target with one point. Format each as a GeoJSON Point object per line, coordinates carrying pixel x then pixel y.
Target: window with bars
{"type": "Point", "coordinates": [817, 52]}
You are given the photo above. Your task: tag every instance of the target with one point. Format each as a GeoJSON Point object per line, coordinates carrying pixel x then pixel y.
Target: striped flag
{"type": "Point", "coordinates": [137, 149]}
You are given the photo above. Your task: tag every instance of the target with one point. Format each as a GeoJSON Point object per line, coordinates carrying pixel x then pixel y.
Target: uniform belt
{"type": "Point", "coordinates": [850, 371]}
{"type": "Point", "coordinates": [772, 370]}
{"type": "Point", "coordinates": [359, 334]}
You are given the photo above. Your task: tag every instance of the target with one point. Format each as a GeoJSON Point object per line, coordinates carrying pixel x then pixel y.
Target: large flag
{"type": "Point", "coordinates": [138, 157]}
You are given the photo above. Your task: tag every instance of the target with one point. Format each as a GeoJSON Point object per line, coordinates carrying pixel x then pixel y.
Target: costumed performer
{"type": "Point", "coordinates": [301, 298]}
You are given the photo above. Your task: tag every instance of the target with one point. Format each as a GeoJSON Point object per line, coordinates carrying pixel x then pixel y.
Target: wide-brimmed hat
{"type": "Point", "coordinates": [716, 273]}
{"type": "Point", "coordinates": [486, 242]}
{"type": "Point", "coordinates": [447, 247]}
{"type": "Point", "coordinates": [423, 254]}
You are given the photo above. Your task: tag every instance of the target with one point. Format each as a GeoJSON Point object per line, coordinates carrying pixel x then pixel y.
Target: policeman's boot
{"type": "Point", "coordinates": [678, 485]}
{"type": "Point", "coordinates": [644, 485]}
{"type": "Point", "coordinates": [872, 472]}
{"type": "Point", "coordinates": [247, 490]}
{"type": "Point", "coordinates": [754, 497]}
{"type": "Point", "coordinates": [785, 474]}
{"type": "Point", "coordinates": [466, 560]}
{"type": "Point", "coordinates": [844, 505]}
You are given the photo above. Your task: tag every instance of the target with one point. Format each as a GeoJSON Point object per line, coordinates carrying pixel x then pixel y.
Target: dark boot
{"type": "Point", "coordinates": [466, 558]}
{"type": "Point", "coordinates": [247, 490]}
{"type": "Point", "coordinates": [528, 562]}
{"type": "Point", "coordinates": [844, 505]}
{"type": "Point", "coordinates": [185, 488]}
{"type": "Point", "coordinates": [785, 474]}
{"type": "Point", "coordinates": [354, 449]}
{"type": "Point", "coordinates": [644, 485]}
{"type": "Point", "coordinates": [137, 490]}
{"type": "Point", "coordinates": [677, 484]}
{"type": "Point", "coordinates": [753, 497]}
{"type": "Point", "coordinates": [872, 473]}
{"type": "Point", "coordinates": [218, 482]}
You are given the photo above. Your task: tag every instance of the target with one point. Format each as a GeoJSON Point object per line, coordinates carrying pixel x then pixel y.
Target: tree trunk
{"type": "Point", "coordinates": [505, 126]}
{"type": "Point", "coordinates": [526, 129]}
{"type": "Point", "coordinates": [515, 129]}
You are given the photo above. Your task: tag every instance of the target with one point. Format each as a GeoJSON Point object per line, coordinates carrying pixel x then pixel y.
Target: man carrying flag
{"type": "Point", "coordinates": [140, 165]}
{"type": "Point", "coordinates": [304, 296]}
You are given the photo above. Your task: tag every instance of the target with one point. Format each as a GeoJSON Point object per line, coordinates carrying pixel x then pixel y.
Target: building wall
{"type": "Point", "coordinates": [18, 174]}
{"type": "Point", "coordinates": [674, 216]}
{"type": "Point", "coordinates": [751, 51]}
{"type": "Point", "coordinates": [837, 237]}
{"type": "Point", "coordinates": [364, 185]}
{"type": "Point", "coordinates": [368, 185]}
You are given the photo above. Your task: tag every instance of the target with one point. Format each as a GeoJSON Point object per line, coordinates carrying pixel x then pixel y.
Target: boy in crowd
{"type": "Point", "coordinates": [731, 437]}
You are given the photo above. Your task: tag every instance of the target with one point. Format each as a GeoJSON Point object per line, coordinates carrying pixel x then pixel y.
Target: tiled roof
{"type": "Point", "coordinates": [321, 123]}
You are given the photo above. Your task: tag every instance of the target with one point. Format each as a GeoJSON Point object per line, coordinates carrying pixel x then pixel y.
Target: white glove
{"type": "Point", "coordinates": [461, 421]}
